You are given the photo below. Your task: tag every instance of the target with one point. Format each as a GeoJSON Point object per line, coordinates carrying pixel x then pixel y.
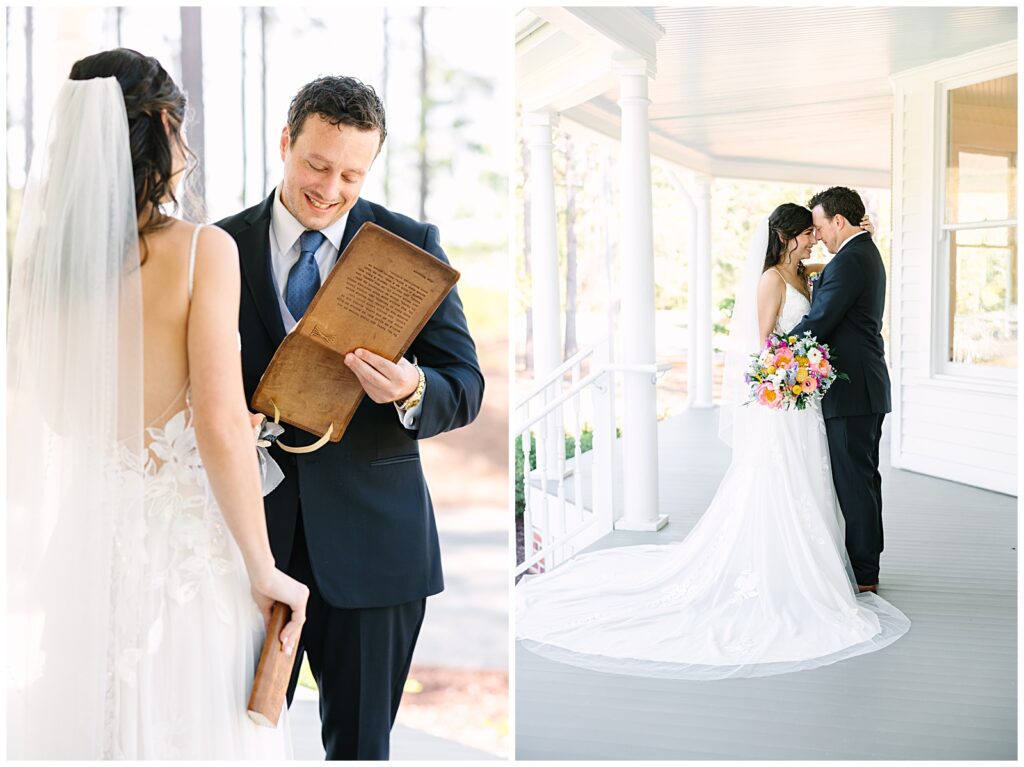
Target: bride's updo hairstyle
{"type": "Point", "coordinates": [148, 92]}
{"type": "Point", "coordinates": [784, 225]}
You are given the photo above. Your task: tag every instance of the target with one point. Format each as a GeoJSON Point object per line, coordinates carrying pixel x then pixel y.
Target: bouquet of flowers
{"type": "Point", "coordinates": [791, 372]}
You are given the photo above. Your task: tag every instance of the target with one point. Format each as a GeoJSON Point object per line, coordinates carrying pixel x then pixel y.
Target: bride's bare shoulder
{"type": "Point", "coordinates": [771, 281]}
{"type": "Point", "coordinates": [213, 239]}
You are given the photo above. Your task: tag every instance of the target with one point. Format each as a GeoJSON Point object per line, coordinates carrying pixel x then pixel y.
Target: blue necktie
{"type": "Point", "coordinates": [304, 277]}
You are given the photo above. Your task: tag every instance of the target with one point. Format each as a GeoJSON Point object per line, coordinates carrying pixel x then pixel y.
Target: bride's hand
{"type": "Point", "coordinates": [275, 586]}
{"type": "Point", "coordinates": [255, 421]}
{"type": "Point", "coordinates": [865, 223]}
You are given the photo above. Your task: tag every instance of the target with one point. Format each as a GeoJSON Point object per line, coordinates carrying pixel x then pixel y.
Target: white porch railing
{"type": "Point", "coordinates": [565, 507]}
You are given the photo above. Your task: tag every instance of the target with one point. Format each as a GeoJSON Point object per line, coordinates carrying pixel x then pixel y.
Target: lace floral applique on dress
{"type": "Point", "coordinates": [166, 553]}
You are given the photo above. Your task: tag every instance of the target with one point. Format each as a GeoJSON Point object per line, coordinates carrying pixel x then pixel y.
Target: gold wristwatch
{"type": "Point", "coordinates": [414, 399]}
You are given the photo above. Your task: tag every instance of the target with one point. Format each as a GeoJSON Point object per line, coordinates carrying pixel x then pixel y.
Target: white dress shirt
{"type": "Point", "coordinates": [285, 230]}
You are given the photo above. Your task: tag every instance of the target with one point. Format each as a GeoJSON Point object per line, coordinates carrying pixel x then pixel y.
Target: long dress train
{"type": "Point", "coordinates": [762, 584]}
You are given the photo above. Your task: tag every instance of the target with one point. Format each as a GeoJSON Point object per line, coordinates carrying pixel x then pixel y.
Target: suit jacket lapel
{"type": "Point", "coordinates": [254, 249]}
{"type": "Point", "coordinates": [359, 215]}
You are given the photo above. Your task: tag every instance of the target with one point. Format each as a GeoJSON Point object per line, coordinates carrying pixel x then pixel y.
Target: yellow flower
{"type": "Point", "coordinates": [770, 369]}
{"type": "Point", "coordinates": [797, 390]}
{"type": "Point", "coordinates": [801, 375]}
{"type": "Point", "coordinates": [801, 361]}
{"type": "Point", "coordinates": [791, 339]}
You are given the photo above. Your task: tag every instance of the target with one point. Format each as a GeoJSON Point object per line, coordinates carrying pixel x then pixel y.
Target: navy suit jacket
{"type": "Point", "coordinates": [846, 313]}
{"type": "Point", "coordinates": [366, 511]}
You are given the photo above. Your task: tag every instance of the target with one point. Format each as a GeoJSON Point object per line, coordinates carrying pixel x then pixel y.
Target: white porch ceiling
{"type": "Point", "coordinates": [774, 93]}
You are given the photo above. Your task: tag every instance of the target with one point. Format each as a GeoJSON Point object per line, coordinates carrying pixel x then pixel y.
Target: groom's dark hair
{"type": "Point", "coordinates": [842, 201]}
{"type": "Point", "coordinates": [340, 101]}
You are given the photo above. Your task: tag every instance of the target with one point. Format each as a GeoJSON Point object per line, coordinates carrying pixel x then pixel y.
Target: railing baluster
{"type": "Point", "coordinates": [557, 407]}
{"type": "Point", "coordinates": [542, 465]}
{"type": "Point", "coordinates": [577, 468]}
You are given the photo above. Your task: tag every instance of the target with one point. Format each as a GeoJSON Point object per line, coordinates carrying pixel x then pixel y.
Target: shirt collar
{"type": "Point", "coordinates": [858, 234]}
{"type": "Point", "coordinates": [287, 228]}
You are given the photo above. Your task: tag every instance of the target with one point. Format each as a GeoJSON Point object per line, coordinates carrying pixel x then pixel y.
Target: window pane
{"type": "Point", "coordinates": [983, 297]}
{"type": "Point", "coordinates": [981, 172]}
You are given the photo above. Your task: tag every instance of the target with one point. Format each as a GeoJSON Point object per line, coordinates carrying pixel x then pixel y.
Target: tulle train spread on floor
{"type": "Point", "coordinates": [760, 586]}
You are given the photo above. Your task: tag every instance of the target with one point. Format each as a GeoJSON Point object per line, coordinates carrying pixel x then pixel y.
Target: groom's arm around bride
{"type": "Point", "coordinates": [353, 520]}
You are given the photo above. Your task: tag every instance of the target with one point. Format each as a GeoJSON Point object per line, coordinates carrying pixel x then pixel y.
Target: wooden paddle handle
{"type": "Point", "coordinates": [270, 687]}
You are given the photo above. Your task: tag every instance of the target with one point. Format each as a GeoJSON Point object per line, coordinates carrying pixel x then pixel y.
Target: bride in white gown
{"type": "Point", "coordinates": [140, 576]}
{"type": "Point", "coordinates": [762, 584]}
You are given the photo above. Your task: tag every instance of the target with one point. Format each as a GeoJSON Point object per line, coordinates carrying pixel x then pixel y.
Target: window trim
{"type": "Point", "coordinates": [943, 369]}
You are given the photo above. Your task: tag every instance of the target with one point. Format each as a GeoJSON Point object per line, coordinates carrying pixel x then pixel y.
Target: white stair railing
{"type": "Point", "coordinates": [560, 514]}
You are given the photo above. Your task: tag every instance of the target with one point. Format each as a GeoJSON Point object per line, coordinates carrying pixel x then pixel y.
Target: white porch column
{"type": "Point", "coordinates": [547, 325]}
{"type": "Point", "coordinates": [547, 330]}
{"type": "Point", "coordinates": [640, 422]}
{"type": "Point", "coordinates": [700, 299]}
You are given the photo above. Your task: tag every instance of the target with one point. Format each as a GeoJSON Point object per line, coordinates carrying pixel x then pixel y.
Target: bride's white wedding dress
{"type": "Point", "coordinates": [761, 585]}
{"type": "Point", "coordinates": [187, 638]}
{"type": "Point", "coordinates": [131, 629]}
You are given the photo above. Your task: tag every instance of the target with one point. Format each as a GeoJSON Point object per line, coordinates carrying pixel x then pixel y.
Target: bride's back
{"type": "Point", "coordinates": [165, 312]}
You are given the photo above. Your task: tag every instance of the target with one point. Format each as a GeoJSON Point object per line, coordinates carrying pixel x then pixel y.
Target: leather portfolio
{"type": "Point", "coordinates": [377, 297]}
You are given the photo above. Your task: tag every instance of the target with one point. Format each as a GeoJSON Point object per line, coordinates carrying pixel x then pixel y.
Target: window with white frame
{"type": "Point", "coordinates": [979, 228]}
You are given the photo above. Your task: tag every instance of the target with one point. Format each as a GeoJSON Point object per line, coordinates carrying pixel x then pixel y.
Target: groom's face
{"type": "Point", "coordinates": [324, 169]}
{"type": "Point", "coordinates": [826, 229]}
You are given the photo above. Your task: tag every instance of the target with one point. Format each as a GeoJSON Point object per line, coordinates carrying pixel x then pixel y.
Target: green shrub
{"type": "Point", "coordinates": [586, 443]}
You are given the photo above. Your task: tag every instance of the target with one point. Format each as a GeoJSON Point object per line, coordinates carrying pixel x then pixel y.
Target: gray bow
{"type": "Point", "coordinates": [270, 473]}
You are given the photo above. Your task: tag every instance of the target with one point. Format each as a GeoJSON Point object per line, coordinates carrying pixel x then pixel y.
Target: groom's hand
{"type": "Point", "coordinates": [381, 379]}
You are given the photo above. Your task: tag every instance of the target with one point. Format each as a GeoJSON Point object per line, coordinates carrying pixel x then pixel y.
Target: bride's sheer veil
{"type": "Point", "coordinates": [744, 337]}
{"type": "Point", "coordinates": [75, 433]}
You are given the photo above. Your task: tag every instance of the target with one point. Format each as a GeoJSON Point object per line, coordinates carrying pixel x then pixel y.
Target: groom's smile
{"type": "Point", "coordinates": [317, 204]}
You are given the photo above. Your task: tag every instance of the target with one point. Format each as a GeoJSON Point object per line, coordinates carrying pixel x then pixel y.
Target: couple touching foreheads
{"type": "Point", "coordinates": [142, 552]}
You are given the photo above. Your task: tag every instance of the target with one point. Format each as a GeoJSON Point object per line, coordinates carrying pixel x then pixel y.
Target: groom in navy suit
{"type": "Point", "coordinates": [846, 313]}
{"type": "Point", "coordinates": [352, 520]}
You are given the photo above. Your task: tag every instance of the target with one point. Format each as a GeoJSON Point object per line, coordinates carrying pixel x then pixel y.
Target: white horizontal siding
{"type": "Point", "coordinates": [953, 405]}
{"type": "Point", "coordinates": [941, 427]}
{"type": "Point", "coordinates": [1000, 436]}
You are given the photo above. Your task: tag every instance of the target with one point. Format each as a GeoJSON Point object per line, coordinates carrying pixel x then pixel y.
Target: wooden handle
{"type": "Point", "coordinates": [270, 687]}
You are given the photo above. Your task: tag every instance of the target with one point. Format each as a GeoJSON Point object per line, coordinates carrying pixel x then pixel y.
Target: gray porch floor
{"type": "Point", "coordinates": [947, 690]}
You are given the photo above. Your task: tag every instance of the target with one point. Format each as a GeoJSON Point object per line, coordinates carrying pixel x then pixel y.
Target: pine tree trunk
{"type": "Point", "coordinates": [263, 98]}
{"type": "Point", "coordinates": [245, 133]}
{"type": "Point", "coordinates": [384, 98]}
{"type": "Point", "coordinates": [424, 107]}
{"type": "Point", "coordinates": [192, 83]}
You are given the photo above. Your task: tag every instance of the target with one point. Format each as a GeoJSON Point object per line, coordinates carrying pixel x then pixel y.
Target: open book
{"type": "Point", "coordinates": [378, 297]}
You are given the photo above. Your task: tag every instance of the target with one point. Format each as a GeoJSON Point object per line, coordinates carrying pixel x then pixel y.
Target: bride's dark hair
{"type": "Point", "coordinates": [784, 225]}
{"type": "Point", "coordinates": [148, 92]}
